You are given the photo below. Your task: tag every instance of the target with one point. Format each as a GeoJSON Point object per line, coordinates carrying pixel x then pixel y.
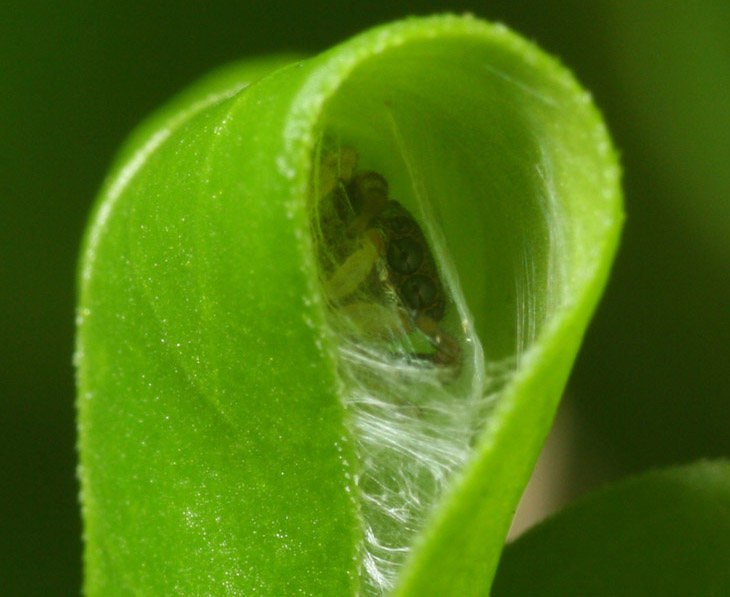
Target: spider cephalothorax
{"type": "Point", "coordinates": [377, 268]}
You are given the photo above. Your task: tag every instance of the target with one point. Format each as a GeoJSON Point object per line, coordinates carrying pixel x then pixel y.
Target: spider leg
{"type": "Point", "coordinates": [354, 270]}
{"type": "Point", "coordinates": [335, 167]}
{"type": "Point", "coordinates": [368, 195]}
{"type": "Point", "coordinates": [448, 351]}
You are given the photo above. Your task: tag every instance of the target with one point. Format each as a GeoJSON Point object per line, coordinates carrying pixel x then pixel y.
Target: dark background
{"type": "Point", "coordinates": [651, 385]}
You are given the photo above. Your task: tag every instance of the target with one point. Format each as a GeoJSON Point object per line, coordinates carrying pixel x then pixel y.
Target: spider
{"type": "Point", "coordinates": [376, 267]}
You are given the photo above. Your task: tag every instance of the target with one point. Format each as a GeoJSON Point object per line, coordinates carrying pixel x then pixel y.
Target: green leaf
{"type": "Point", "coordinates": [266, 404]}
{"type": "Point", "coordinates": [662, 533]}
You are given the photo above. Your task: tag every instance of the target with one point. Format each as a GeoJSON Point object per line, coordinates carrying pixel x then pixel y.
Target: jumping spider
{"type": "Point", "coordinates": [376, 267]}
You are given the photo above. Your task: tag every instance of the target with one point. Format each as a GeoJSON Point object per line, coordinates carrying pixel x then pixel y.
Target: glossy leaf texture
{"type": "Point", "coordinates": [662, 533]}
{"type": "Point", "coordinates": [228, 443]}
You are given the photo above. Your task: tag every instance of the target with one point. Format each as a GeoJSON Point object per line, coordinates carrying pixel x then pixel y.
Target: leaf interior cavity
{"type": "Point", "coordinates": [466, 165]}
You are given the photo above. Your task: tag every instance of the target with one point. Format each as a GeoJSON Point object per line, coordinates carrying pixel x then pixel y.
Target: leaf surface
{"type": "Point", "coordinates": [662, 533]}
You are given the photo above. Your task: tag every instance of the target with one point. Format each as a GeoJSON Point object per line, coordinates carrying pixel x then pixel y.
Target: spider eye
{"type": "Point", "coordinates": [418, 292]}
{"type": "Point", "coordinates": [405, 255]}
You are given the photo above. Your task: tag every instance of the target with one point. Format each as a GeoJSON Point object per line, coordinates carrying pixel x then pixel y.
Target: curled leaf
{"type": "Point", "coordinates": [326, 314]}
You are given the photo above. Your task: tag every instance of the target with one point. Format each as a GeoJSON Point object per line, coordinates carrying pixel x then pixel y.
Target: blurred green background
{"type": "Point", "coordinates": [651, 386]}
